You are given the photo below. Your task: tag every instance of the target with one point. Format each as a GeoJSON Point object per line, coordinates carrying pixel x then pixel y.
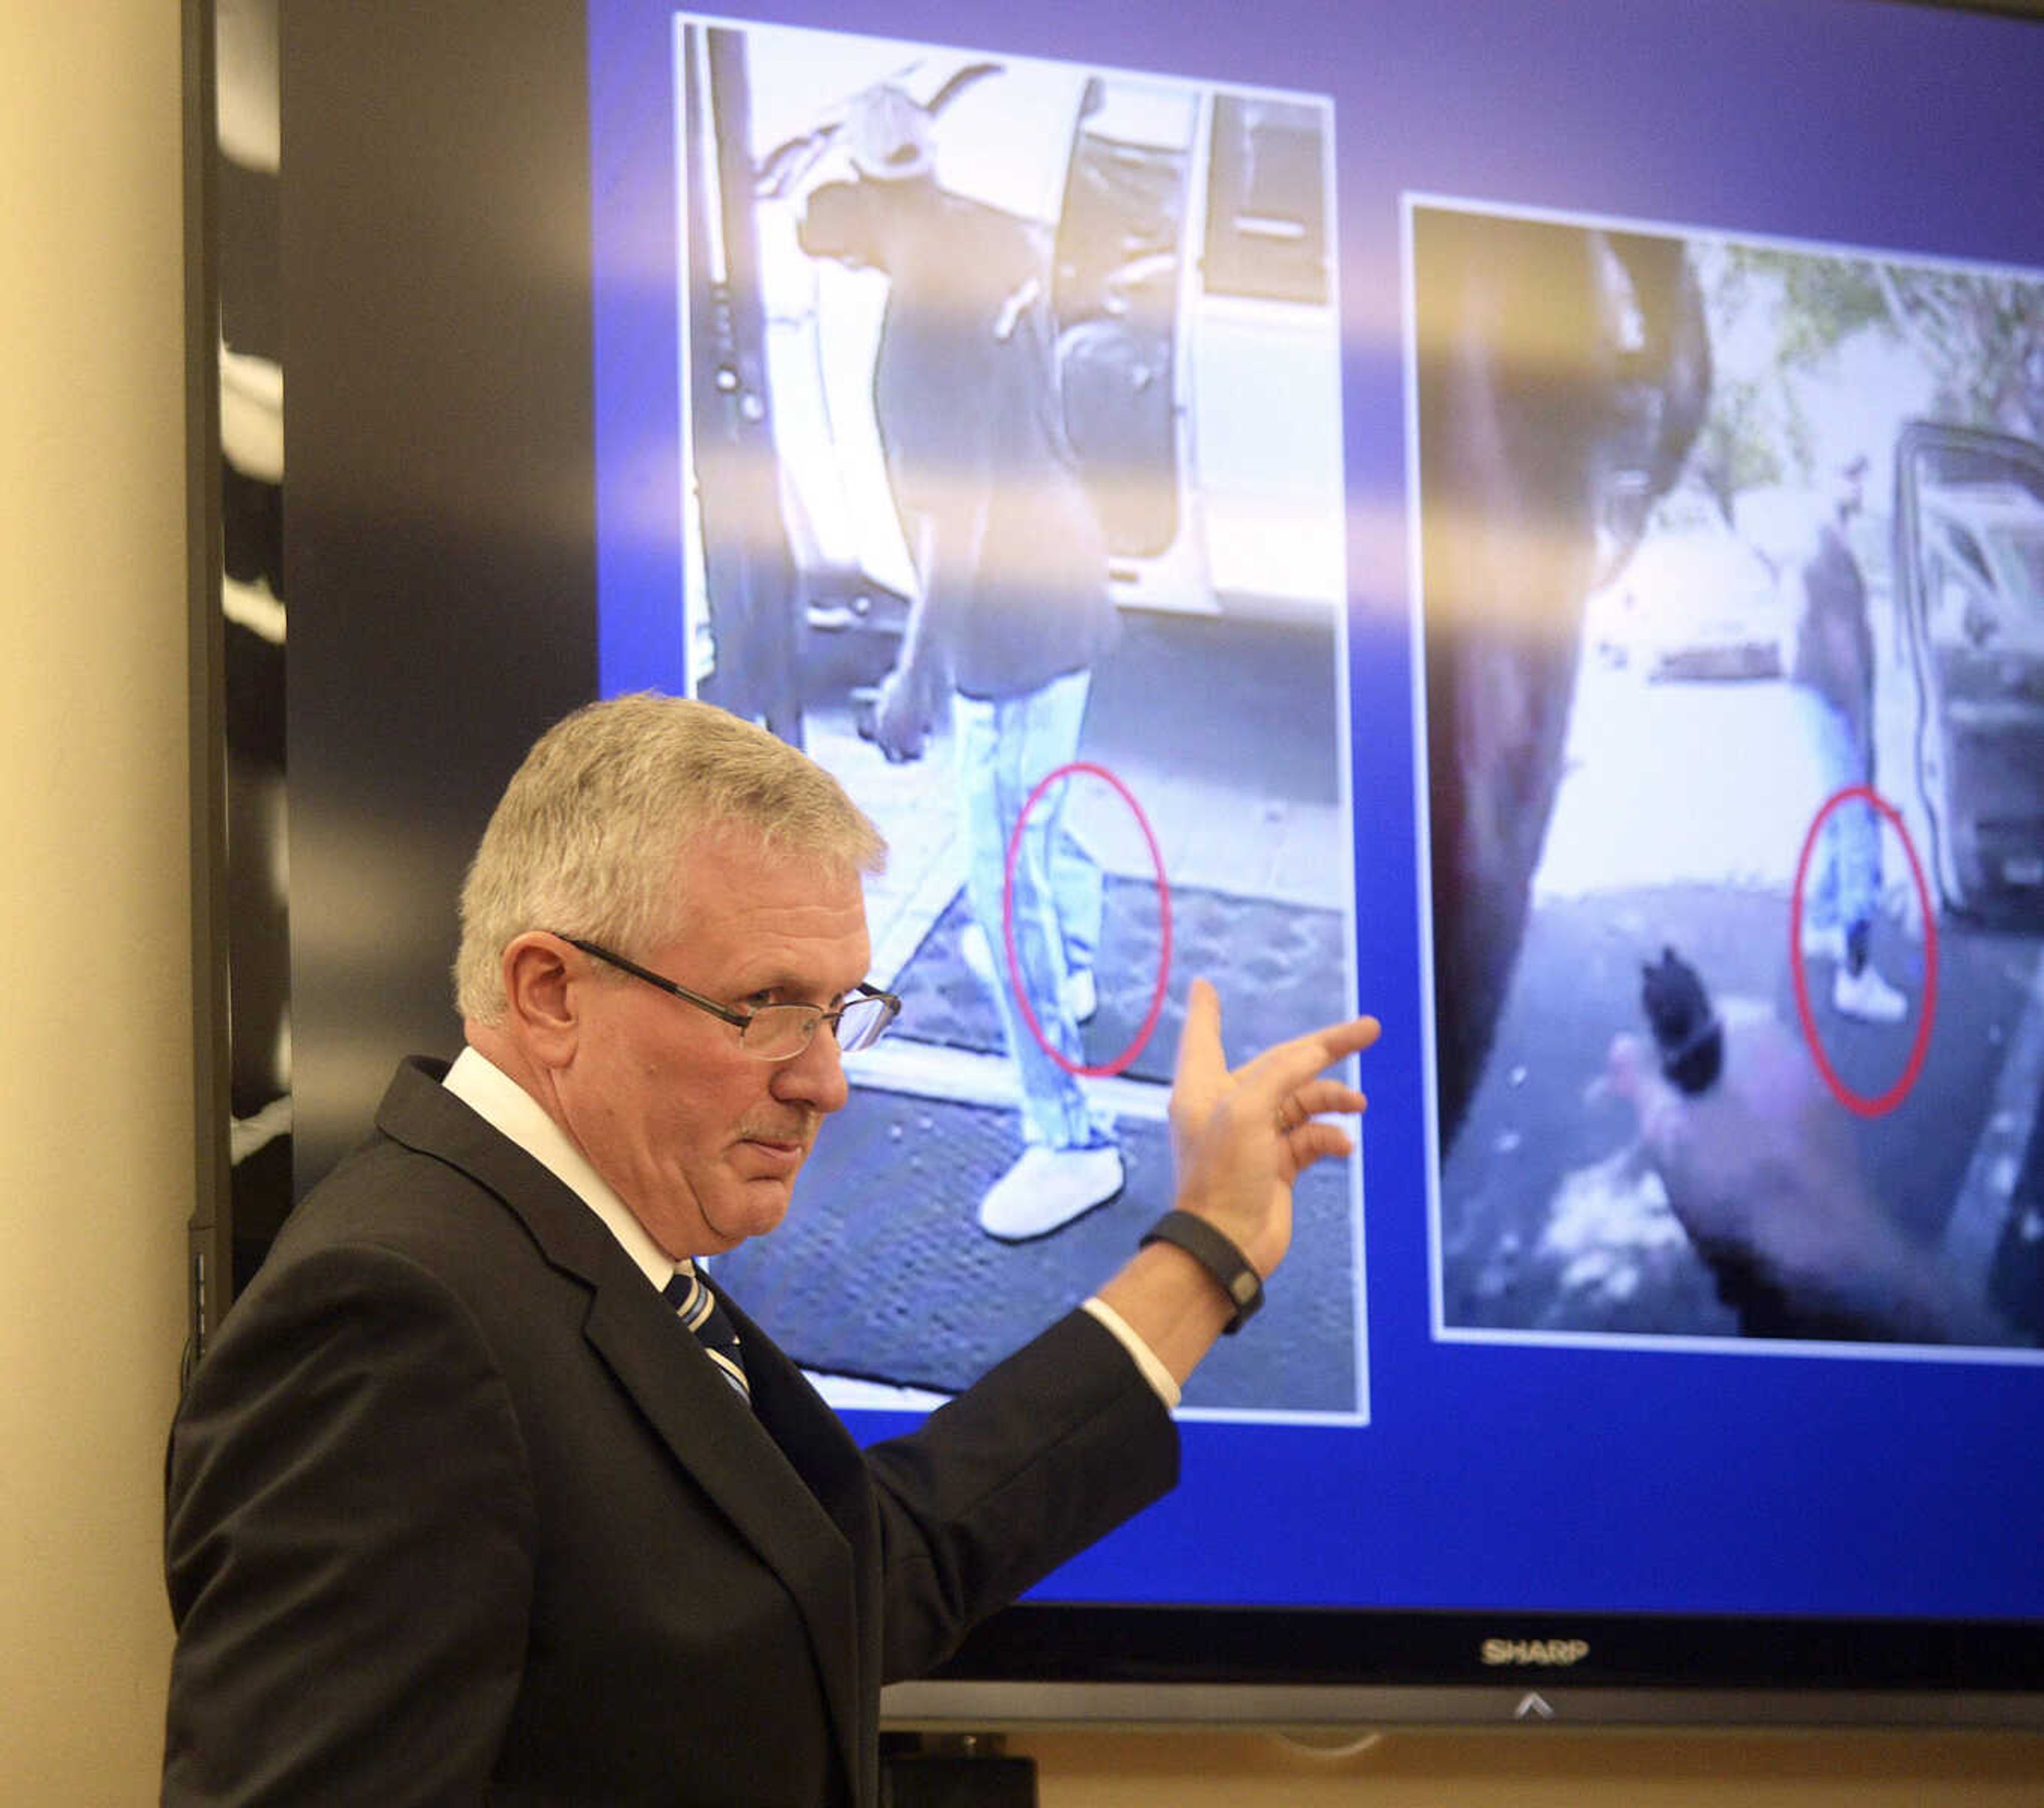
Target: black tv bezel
{"type": "Point", "coordinates": [1331, 1667]}
{"type": "Point", "coordinates": [448, 723]}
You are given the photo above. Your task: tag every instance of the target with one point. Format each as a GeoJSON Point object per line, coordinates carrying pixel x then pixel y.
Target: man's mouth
{"type": "Point", "coordinates": [782, 1142]}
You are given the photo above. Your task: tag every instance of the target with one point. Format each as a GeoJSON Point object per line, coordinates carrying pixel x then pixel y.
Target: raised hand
{"type": "Point", "coordinates": [1241, 1136]}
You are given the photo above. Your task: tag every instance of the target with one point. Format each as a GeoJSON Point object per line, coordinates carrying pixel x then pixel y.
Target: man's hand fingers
{"type": "Point", "coordinates": [1200, 1062]}
{"type": "Point", "coordinates": [1243, 1137]}
{"type": "Point", "coordinates": [1280, 1072]}
{"type": "Point", "coordinates": [1328, 1095]}
{"type": "Point", "coordinates": [1316, 1141]}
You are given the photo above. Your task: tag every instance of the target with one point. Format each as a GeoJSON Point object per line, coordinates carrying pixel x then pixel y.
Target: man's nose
{"type": "Point", "coordinates": [816, 1077]}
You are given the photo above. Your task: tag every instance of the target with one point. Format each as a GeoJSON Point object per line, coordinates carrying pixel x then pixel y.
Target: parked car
{"type": "Point", "coordinates": [1695, 602]}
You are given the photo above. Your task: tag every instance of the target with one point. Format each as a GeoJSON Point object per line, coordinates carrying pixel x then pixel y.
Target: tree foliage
{"type": "Point", "coordinates": [1978, 333]}
{"type": "Point", "coordinates": [1981, 333]}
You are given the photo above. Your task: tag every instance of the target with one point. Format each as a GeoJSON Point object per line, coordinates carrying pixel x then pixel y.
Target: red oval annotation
{"type": "Point", "coordinates": [1864, 1105]}
{"type": "Point", "coordinates": [1148, 1027]}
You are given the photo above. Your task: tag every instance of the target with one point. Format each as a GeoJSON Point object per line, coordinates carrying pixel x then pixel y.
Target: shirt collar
{"type": "Point", "coordinates": [493, 1096]}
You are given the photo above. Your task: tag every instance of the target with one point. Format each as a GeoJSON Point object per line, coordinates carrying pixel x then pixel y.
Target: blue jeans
{"type": "Point", "coordinates": [1005, 749]}
{"type": "Point", "coordinates": [1844, 888]}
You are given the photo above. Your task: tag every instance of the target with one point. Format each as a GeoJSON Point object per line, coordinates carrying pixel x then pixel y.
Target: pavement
{"type": "Point", "coordinates": [1549, 1221]}
{"type": "Point", "coordinates": [879, 1281]}
{"type": "Point", "coordinates": [880, 1272]}
{"type": "Point", "coordinates": [1281, 955]}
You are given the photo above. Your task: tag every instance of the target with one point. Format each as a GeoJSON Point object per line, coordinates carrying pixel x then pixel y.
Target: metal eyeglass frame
{"type": "Point", "coordinates": [743, 1020]}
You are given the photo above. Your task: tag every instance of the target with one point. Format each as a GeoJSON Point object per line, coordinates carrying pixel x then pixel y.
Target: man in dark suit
{"type": "Point", "coordinates": [460, 1509]}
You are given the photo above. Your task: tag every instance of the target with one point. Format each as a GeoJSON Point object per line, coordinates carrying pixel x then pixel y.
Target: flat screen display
{"type": "Point", "coordinates": [1529, 522]}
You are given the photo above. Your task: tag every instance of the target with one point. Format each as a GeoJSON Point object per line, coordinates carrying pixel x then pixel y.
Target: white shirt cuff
{"type": "Point", "coordinates": [1153, 1372]}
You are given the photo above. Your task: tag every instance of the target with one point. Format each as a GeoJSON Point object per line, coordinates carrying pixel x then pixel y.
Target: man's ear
{"type": "Point", "coordinates": [542, 1009]}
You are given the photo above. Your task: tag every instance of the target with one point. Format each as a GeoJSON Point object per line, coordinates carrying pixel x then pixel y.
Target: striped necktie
{"type": "Point", "coordinates": [697, 1308]}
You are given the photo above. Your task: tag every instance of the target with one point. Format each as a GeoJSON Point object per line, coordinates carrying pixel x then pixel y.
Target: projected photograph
{"type": "Point", "coordinates": [1014, 496]}
{"type": "Point", "coordinates": [1732, 576]}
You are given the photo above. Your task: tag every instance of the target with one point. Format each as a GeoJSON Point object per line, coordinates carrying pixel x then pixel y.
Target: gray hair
{"type": "Point", "coordinates": [588, 835]}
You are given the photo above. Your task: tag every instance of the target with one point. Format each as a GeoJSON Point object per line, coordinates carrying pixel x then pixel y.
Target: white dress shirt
{"type": "Point", "coordinates": [493, 1096]}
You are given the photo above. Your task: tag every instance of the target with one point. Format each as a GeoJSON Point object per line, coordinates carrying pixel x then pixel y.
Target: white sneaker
{"type": "Point", "coordinates": [1867, 996]}
{"type": "Point", "coordinates": [1823, 943]}
{"type": "Point", "coordinates": [1049, 1187]}
{"type": "Point", "coordinates": [1081, 995]}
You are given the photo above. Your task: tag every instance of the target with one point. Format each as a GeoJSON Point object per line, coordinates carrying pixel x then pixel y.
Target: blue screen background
{"type": "Point", "coordinates": [1502, 1477]}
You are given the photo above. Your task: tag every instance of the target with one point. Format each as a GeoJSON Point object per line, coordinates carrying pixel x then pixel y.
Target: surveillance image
{"type": "Point", "coordinates": [1734, 620]}
{"type": "Point", "coordinates": [1015, 497]}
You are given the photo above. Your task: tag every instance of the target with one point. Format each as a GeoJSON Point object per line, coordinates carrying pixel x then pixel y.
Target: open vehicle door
{"type": "Point", "coordinates": [752, 664]}
{"type": "Point", "coordinates": [1969, 592]}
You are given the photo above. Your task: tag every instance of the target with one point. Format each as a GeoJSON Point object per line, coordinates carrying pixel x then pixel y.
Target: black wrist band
{"type": "Point", "coordinates": [1215, 1253]}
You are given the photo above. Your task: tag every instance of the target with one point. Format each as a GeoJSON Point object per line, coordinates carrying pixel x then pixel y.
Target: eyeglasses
{"type": "Point", "coordinates": [774, 1032]}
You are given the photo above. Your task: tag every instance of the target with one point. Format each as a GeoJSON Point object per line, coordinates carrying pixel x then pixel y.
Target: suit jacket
{"type": "Point", "coordinates": [458, 1511]}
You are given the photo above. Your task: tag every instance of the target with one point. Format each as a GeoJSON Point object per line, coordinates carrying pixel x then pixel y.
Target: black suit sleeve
{"type": "Point", "coordinates": [348, 1546]}
{"type": "Point", "coordinates": [1052, 1449]}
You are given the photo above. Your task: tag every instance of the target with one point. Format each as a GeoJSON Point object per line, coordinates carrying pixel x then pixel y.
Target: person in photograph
{"type": "Point", "coordinates": [1832, 674]}
{"type": "Point", "coordinates": [1011, 615]}
{"type": "Point", "coordinates": [484, 1491]}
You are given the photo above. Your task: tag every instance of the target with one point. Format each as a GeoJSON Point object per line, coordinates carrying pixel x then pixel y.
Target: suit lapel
{"type": "Point", "coordinates": [770, 1471]}
{"type": "Point", "coordinates": [731, 1452]}
{"type": "Point", "coordinates": [832, 1473]}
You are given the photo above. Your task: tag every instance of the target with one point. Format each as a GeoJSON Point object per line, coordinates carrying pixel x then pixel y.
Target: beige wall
{"type": "Point", "coordinates": [95, 1143]}
{"type": "Point", "coordinates": [95, 1150]}
{"type": "Point", "coordinates": [1541, 1769]}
